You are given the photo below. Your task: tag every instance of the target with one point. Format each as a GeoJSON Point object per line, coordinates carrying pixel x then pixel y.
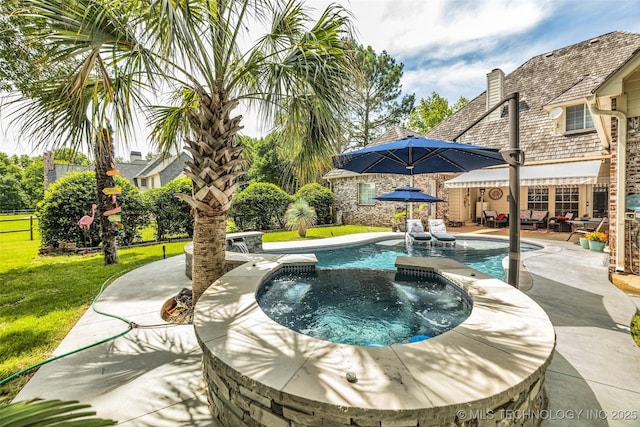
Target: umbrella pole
{"type": "Point", "coordinates": [514, 157]}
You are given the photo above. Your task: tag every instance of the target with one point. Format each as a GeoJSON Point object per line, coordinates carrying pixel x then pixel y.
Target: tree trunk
{"type": "Point", "coordinates": [214, 172]}
{"type": "Point", "coordinates": [209, 244]}
{"type": "Point", "coordinates": [103, 152]}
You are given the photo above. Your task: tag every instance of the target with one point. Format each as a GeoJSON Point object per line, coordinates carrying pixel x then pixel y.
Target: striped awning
{"type": "Point", "coordinates": [574, 173]}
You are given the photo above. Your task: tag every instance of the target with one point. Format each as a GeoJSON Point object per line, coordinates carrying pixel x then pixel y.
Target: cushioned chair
{"type": "Point", "coordinates": [416, 232]}
{"type": "Point", "coordinates": [559, 223]}
{"type": "Point", "coordinates": [439, 232]}
{"type": "Point", "coordinates": [494, 219]}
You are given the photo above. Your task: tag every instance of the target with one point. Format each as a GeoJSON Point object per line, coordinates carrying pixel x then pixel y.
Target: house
{"type": "Point", "coordinates": [354, 192]}
{"type": "Point", "coordinates": [160, 171]}
{"type": "Point", "coordinates": [141, 173]}
{"type": "Point", "coordinates": [580, 132]}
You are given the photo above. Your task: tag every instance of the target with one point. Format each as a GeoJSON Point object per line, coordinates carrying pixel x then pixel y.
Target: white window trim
{"type": "Point", "coordinates": [580, 130]}
{"type": "Point", "coordinates": [373, 202]}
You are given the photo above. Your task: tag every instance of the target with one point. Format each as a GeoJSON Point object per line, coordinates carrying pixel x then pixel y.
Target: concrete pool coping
{"type": "Point", "coordinates": [496, 354]}
{"type": "Point", "coordinates": [525, 281]}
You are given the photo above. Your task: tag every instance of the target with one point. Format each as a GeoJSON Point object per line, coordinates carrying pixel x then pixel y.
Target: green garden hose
{"type": "Point", "coordinates": [93, 305]}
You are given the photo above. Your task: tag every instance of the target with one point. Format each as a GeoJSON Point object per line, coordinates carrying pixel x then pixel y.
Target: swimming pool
{"type": "Point", "coordinates": [481, 254]}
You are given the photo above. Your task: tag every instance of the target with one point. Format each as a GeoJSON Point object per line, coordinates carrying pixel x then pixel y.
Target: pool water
{"type": "Point", "coordinates": [483, 255]}
{"type": "Point", "coordinates": [370, 308]}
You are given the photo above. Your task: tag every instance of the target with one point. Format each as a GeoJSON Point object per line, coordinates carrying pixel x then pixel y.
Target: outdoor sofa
{"type": "Point", "coordinates": [533, 218]}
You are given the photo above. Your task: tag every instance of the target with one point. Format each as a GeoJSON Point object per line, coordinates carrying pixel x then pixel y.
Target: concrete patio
{"type": "Point", "coordinates": [152, 376]}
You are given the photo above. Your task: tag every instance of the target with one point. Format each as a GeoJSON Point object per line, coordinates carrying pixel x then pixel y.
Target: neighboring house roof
{"type": "Point", "coordinates": [563, 75]}
{"type": "Point", "coordinates": [59, 171]}
{"type": "Point", "coordinates": [168, 169]}
{"type": "Point", "coordinates": [130, 170]}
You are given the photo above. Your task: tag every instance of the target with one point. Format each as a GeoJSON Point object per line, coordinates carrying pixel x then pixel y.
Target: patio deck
{"type": "Point", "coordinates": [153, 376]}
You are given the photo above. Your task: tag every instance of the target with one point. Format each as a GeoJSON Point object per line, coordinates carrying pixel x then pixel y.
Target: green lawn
{"type": "Point", "coordinates": [320, 233]}
{"type": "Point", "coordinates": [41, 298]}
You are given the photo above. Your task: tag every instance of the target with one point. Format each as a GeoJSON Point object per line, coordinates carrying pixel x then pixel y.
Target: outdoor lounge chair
{"type": "Point", "coordinates": [439, 232]}
{"type": "Point", "coordinates": [587, 229]}
{"type": "Point", "coordinates": [416, 231]}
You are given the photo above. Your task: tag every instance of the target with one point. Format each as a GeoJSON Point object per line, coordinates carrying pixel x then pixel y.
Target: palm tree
{"type": "Point", "coordinates": [294, 74]}
{"type": "Point", "coordinates": [300, 216]}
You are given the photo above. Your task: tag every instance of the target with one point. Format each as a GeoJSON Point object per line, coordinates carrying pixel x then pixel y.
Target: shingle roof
{"type": "Point", "coordinates": [558, 76]}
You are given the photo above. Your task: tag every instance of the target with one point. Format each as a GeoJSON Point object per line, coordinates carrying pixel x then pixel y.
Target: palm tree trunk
{"type": "Point", "coordinates": [209, 233]}
{"type": "Point", "coordinates": [104, 160]}
{"type": "Point", "coordinates": [216, 166]}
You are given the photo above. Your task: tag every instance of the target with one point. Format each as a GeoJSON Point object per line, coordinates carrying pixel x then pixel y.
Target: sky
{"type": "Point", "coordinates": [446, 46]}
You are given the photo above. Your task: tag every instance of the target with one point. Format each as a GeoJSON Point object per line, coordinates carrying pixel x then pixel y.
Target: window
{"type": "Point", "coordinates": [538, 198]}
{"type": "Point", "coordinates": [567, 200]}
{"type": "Point", "coordinates": [600, 201]}
{"type": "Point", "coordinates": [143, 182]}
{"type": "Point", "coordinates": [578, 117]}
{"type": "Point", "coordinates": [366, 191]}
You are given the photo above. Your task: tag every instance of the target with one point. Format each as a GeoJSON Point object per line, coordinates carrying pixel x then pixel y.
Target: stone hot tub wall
{"type": "Point", "coordinates": [258, 373]}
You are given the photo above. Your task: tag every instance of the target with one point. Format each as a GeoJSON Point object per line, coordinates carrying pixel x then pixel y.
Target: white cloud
{"type": "Point", "coordinates": [448, 46]}
{"type": "Point", "coordinates": [444, 27]}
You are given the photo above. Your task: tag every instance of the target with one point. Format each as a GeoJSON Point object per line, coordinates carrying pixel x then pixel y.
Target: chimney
{"type": "Point", "coordinates": [49, 165]}
{"type": "Point", "coordinates": [135, 156]}
{"type": "Point", "coordinates": [495, 92]}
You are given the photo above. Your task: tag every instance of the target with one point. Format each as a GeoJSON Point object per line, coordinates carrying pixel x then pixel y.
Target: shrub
{"type": "Point", "coordinates": [320, 198]}
{"type": "Point", "coordinates": [259, 206]}
{"type": "Point", "coordinates": [70, 198]}
{"type": "Point", "coordinates": [135, 213]}
{"type": "Point", "coordinates": [173, 215]}
{"type": "Point", "coordinates": [232, 227]}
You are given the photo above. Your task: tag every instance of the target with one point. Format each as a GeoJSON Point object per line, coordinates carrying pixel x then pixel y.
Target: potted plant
{"type": "Point", "coordinates": [597, 240]}
{"type": "Point", "coordinates": [584, 242]}
{"type": "Point", "coordinates": [400, 220]}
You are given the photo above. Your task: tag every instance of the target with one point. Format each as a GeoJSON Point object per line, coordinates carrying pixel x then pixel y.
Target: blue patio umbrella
{"type": "Point", "coordinates": [408, 194]}
{"type": "Point", "coordinates": [416, 155]}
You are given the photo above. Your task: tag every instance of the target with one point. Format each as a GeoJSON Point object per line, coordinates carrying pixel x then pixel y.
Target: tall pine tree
{"type": "Point", "coordinates": [376, 97]}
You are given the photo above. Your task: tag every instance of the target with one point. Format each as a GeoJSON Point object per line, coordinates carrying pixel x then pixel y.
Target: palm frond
{"type": "Point", "coordinates": [50, 413]}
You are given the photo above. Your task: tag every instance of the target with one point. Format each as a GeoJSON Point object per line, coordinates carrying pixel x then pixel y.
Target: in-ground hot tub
{"type": "Point", "coordinates": [259, 372]}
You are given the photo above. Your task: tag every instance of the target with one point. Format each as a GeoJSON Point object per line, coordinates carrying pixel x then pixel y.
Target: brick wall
{"type": "Point", "coordinates": [381, 213]}
{"type": "Point", "coordinates": [632, 260]}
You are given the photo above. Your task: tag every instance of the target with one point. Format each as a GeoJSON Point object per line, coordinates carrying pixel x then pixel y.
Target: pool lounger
{"type": "Point", "coordinates": [416, 231]}
{"type": "Point", "coordinates": [439, 232]}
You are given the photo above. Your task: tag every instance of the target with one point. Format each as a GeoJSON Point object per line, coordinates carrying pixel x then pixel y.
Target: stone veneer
{"type": "Point", "coordinates": [252, 239]}
{"type": "Point", "coordinates": [489, 370]}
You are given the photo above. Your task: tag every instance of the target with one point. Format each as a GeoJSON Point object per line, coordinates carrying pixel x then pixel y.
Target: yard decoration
{"type": "Point", "coordinates": [86, 221]}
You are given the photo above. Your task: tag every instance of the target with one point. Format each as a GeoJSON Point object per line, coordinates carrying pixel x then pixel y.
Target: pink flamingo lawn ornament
{"type": "Point", "coordinates": [86, 221]}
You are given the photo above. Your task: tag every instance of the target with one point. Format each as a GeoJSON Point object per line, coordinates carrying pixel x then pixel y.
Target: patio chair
{"type": "Point", "coordinates": [495, 220]}
{"type": "Point", "coordinates": [559, 223]}
{"type": "Point", "coordinates": [438, 231]}
{"type": "Point", "coordinates": [416, 232]}
{"type": "Point", "coordinates": [586, 229]}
